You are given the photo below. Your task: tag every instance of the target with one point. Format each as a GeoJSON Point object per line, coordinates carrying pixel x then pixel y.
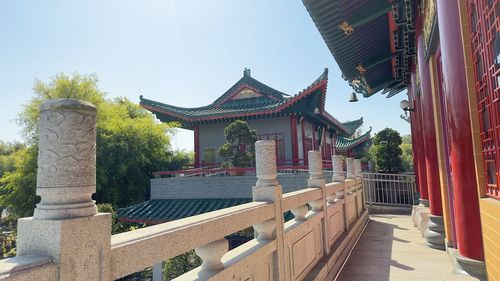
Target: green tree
{"type": "Point", "coordinates": [407, 153]}
{"type": "Point", "coordinates": [387, 151]}
{"type": "Point", "coordinates": [8, 155]}
{"type": "Point", "coordinates": [240, 145]}
{"type": "Point", "coordinates": [181, 264]}
{"type": "Point", "coordinates": [130, 146]}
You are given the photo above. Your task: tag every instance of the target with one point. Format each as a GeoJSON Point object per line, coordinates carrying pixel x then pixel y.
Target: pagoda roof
{"type": "Point", "coordinates": [250, 99]}
{"type": "Point", "coordinates": [157, 211]}
{"type": "Point", "coordinates": [344, 144]}
{"type": "Point", "coordinates": [354, 124]}
{"type": "Point", "coordinates": [162, 210]}
{"type": "Point", "coordinates": [372, 41]}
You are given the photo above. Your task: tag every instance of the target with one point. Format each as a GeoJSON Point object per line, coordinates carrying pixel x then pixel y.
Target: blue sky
{"type": "Point", "coordinates": [185, 53]}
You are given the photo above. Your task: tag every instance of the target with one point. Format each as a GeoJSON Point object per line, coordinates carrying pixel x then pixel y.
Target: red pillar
{"type": "Point", "coordinates": [466, 199]}
{"type": "Point", "coordinates": [334, 145]}
{"type": "Point", "coordinates": [314, 137]}
{"type": "Point", "coordinates": [295, 142]}
{"type": "Point", "coordinates": [429, 128]}
{"type": "Point", "coordinates": [196, 130]}
{"type": "Point", "coordinates": [304, 148]}
{"type": "Point", "coordinates": [419, 142]}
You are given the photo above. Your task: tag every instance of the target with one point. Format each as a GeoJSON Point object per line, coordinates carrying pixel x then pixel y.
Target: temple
{"type": "Point", "coordinates": [296, 123]}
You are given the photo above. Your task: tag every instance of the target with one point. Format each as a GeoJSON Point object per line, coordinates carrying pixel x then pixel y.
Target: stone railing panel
{"type": "Point", "coordinates": [303, 245]}
{"type": "Point", "coordinates": [161, 242]}
{"type": "Point", "coordinates": [336, 223]}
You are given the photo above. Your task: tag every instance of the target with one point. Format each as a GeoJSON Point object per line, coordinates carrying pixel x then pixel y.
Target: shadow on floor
{"type": "Point", "coordinates": [391, 248]}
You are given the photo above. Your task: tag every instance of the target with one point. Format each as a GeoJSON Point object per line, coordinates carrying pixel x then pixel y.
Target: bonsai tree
{"type": "Point", "coordinates": [388, 151]}
{"type": "Point", "coordinates": [239, 149]}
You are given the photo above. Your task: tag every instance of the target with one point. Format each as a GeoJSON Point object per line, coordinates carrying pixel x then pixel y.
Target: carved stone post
{"type": "Point", "coordinates": [350, 168]}
{"type": "Point", "coordinates": [357, 168]}
{"type": "Point", "coordinates": [267, 189]}
{"type": "Point", "coordinates": [66, 160]}
{"type": "Point", "coordinates": [338, 171]}
{"type": "Point", "coordinates": [338, 174]}
{"type": "Point", "coordinates": [65, 225]}
{"type": "Point", "coordinates": [317, 180]}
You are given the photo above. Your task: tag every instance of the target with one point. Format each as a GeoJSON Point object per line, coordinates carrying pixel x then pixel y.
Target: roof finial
{"type": "Point", "coordinates": [246, 72]}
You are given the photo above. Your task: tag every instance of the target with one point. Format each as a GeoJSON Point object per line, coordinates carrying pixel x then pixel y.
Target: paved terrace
{"type": "Point", "coordinates": [391, 248]}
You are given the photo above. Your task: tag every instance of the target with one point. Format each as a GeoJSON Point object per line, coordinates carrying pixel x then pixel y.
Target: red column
{"type": "Point", "coordinates": [334, 144]}
{"type": "Point", "coordinates": [304, 148]}
{"type": "Point", "coordinates": [196, 130]}
{"type": "Point", "coordinates": [295, 142]}
{"type": "Point", "coordinates": [429, 128]}
{"type": "Point", "coordinates": [314, 137]}
{"type": "Point", "coordinates": [419, 142]}
{"type": "Point", "coordinates": [467, 219]}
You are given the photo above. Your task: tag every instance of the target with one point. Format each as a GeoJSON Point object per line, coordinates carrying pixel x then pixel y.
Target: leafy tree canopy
{"type": "Point", "coordinates": [386, 147]}
{"type": "Point", "coordinates": [407, 155]}
{"type": "Point", "coordinates": [240, 145]}
{"type": "Point", "coordinates": [130, 146]}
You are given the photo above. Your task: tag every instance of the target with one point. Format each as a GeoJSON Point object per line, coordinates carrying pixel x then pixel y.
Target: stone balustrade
{"type": "Point", "coordinates": [67, 240]}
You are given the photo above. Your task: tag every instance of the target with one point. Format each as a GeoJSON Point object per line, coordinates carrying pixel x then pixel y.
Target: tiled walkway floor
{"type": "Point", "coordinates": [391, 248]}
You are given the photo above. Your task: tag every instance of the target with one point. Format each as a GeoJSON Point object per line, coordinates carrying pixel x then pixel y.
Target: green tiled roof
{"type": "Point", "coordinates": [162, 210]}
{"type": "Point", "coordinates": [267, 103]}
{"type": "Point", "coordinates": [344, 144]}
{"type": "Point", "coordinates": [353, 125]}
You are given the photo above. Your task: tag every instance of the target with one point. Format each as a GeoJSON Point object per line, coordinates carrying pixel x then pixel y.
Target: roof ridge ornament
{"type": "Point", "coordinates": [246, 72]}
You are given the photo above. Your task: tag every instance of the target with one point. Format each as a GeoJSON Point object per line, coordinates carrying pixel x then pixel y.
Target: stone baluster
{"type": "Point", "coordinates": [357, 168]}
{"type": "Point", "coordinates": [300, 213]}
{"type": "Point", "coordinates": [331, 198]}
{"type": "Point", "coordinates": [66, 225]}
{"type": "Point", "coordinates": [350, 168]}
{"type": "Point", "coordinates": [267, 189]}
{"type": "Point", "coordinates": [211, 255]}
{"type": "Point", "coordinates": [338, 171]}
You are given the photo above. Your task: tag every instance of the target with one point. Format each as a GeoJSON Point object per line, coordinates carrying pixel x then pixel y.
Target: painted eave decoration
{"type": "Point", "coordinates": [373, 41]}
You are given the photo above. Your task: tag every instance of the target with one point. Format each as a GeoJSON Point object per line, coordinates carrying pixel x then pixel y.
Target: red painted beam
{"type": "Point", "coordinates": [196, 130]}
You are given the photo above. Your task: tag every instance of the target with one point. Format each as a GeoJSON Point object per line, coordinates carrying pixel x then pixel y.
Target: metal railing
{"type": "Point", "coordinates": [389, 189]}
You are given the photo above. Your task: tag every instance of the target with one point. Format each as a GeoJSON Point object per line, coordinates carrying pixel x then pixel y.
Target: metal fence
{"type": "Point", "coordinates": [389, 189]}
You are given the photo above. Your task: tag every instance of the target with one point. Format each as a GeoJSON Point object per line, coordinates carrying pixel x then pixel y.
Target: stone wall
{"type": "Point", "coordinates": [220, 187]}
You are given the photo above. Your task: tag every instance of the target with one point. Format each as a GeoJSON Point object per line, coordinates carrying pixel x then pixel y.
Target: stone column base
{"type": "Point", "coordinates": [434, 233]}
{"type": "Point", "coordinates": [472, 267]}
{"type": "Point", "coordinates": [424, 202]}
{"type": "Point", "coordinates": [423, 219]}
{"type": "Point", "coordinates": [415, 213]}
{"type": "Point", "coordinates": [467, 266]}
{"type": "Point", "coordinates": [80, 247]}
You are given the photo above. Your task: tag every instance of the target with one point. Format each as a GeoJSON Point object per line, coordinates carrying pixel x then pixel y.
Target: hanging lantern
{"type": "Point", "coordinates": [353, 97]}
